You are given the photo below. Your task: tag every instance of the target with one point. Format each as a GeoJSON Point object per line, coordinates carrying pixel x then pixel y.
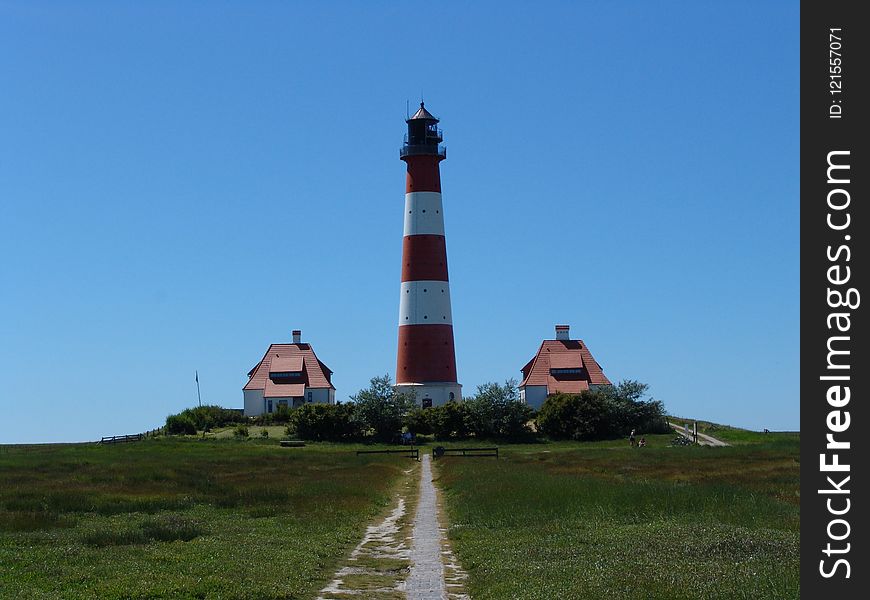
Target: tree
{"type": "Point", "coordinates": [449, 420]}
{"type": "Point", "coordinates": [497, 411]}
{"type": "Point", "coordinates": [606, 412]}
{"type": "Point", "coordinates": [381, 408]}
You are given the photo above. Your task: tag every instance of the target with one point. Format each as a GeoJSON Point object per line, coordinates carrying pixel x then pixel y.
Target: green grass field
{"type": "Point", "coordinates": [607, 521]}
{"type": "Point", "coordinates": [183, 519]}
{"type": "Point", "coordinates": [223, 518]}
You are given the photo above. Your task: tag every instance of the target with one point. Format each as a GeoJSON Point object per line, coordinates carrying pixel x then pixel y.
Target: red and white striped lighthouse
{"type": "Point", "coordinates": [426, 363]}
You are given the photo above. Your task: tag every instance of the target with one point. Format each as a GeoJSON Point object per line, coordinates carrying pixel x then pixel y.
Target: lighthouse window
{"type": "Point", "coordinates": [425, 316]}
{"type": "Point", "coordinates": [424, 210]}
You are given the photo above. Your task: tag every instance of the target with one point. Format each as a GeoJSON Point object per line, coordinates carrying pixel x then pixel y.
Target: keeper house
{"type": "Point", "coordinates": [561, 366]}
{"type": "Point", "coordinates": [288, 375]}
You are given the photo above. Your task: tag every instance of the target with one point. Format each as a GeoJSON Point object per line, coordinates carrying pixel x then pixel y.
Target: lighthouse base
{"type": "Point", "coordinates": [431, 394]}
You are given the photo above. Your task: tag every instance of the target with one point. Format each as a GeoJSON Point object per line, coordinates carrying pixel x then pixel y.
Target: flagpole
{"type": "Point", "coordinates": [199, 397]}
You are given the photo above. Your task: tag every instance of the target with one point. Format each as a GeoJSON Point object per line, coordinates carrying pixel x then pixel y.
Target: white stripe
{"type": "Point", "coordinates": [425, 303]}
{"type": "Point", "coordinates": [424, 214]}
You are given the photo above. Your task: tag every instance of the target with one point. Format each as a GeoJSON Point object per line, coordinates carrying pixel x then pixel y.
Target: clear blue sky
{"type": "Point", "coordinates": [183, 183]}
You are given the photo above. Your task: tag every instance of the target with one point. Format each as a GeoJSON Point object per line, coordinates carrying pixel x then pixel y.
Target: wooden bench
{"type": "Point", "coordinates": [292, 443]}
{"type": "Point", "coordinates": [440, 451]}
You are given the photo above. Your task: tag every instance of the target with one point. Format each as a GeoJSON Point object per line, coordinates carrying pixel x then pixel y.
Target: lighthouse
{"type": "Point", "coordinates": [426, 361]}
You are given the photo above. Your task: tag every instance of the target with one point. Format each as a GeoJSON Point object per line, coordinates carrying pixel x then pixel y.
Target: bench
{"type": "Point", "coordinates": [292, 443]}
{"type": "Point", "coordinates": [440, 451]}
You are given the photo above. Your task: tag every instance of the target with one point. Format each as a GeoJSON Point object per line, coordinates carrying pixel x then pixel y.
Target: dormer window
{"type": "Point", "coordinates": [565, 371]}
{"type": "Point", "coordinates": [284, 376]}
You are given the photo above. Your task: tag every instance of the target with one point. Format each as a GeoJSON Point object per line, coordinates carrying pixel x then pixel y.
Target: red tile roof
{"type": "Point", "coordinates": [563, 354]}
{"type": "Point", "coordinates": [286, 364]}
{"type": "Point", "coordinates": [570, 359]}
{"type": "Point", "coordinates": [315, 374]}
{"type": "Point", "coordinates": [283, 390]}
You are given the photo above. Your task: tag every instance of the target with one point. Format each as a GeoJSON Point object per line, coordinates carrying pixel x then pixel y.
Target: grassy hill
{"type": "Point", "coordinates": [736, 435]}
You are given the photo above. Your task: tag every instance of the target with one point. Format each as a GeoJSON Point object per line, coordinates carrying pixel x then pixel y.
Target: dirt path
{"type": "Point", "coordinates": [399, 558]}
{"type": "Point", "coordinates": [703, 438]}
{"type": "Point", "coordinates": [435, 572]}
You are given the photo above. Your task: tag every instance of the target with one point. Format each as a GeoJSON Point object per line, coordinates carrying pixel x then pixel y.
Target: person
{"type": "Point", "coordinates": [642, 442]}
{"type": "Point", "coordinates": [631, 438]}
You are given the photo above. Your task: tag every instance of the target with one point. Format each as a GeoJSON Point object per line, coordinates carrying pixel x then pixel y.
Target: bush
{"type": "Point", "coordinates": [574, 416]}
{"type": "Point", "coordinates": [449, 420]}
{"type": "Point", "coordinates": [331, 422]}
{"type": "Point", "coordinates": [264, 433]}
{"type": "Point", "coordinates": [241, 431]}
{"type": "Point", "coordinates": [419, 421]}
{"type": "Point", "coordinates": [607, 412]}
{"type": "Point", "coordinates": [382, 409]}
{"type": "Point", "coordinates": [180, 425]}
{"type": "Point", "coordinates": [205, 418]}
{"type": "Point", "coordinates": [496, 411]}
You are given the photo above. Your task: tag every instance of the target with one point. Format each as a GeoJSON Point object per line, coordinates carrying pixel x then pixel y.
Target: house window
{"type": "Point", "coordinates": [282, 402]}
{"type": "Point", "coordinates": [269, 405]}
{"type": "Point", "coordinates": [283, 376]}
{"type": "Point", "coordinates": [565, 371]}
{"type": "Point", "coordinates": [452, 396]}
{"type": "Point", "coordinates": [309, 396]}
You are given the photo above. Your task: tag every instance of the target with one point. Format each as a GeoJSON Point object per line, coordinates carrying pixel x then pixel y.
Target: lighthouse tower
{"type": "Point", "coordinates": [426, 363]}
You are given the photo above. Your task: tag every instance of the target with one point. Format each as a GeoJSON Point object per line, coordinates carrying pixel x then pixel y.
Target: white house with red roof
{"type": "Point", "coordinates": [288, 375]}
{"type": "Point", "coordinates": [561, 366]}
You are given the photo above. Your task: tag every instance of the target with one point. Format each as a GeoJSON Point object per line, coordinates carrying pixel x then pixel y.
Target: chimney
{"type": "Point", "coordinates": [297, 336]}
{"type": "Point", "coordinates": [562, 332]}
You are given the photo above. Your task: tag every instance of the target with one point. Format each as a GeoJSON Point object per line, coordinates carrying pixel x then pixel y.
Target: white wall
{"type": "Point", "coordinates": [439, 393]}
{"type": "Point", "coordinates": [321, 395]}
{"type": "Point", "coordinates": [425, 303]}
{"type": "Point", "coordinates": [534, 395]}
{"type": "Point", "coordinates": [423, 214]}
{"type": "Point", "coordinates": [253, 402]}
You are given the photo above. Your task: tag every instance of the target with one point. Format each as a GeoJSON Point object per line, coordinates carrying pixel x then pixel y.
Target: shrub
{"type": "Point", "coordinates": [497, 411]}
{"type": "Point", "coordinates": [333, 422]}
{"type": "Point", "coordinates": [449, 420]}
{"type": "Point", "coordinates": [264, 433]}
{"type": "Point", "coordinates": [381, 408]}
{"type": "Point", "coordinates": [180, 425]}
{"type": "Point", "coordinates": [607, 412]}
{"type": "Point", "coordinates": [205, 418]}
{"type": "Point", "coordinates": [241, 431]}
{"type": "Point", "coordinates": [419, 420]}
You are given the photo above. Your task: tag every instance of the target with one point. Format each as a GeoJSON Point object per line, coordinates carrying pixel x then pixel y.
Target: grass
{"type": "Point", "coordinates": [736, 435]}
{"type": "Point", "coordinates": [604, 520]}
{"type": "Point", "coordinates": [184, 518]}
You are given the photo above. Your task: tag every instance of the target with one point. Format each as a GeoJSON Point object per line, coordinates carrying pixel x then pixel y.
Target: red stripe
{"type": "Point", "coordinates": [426, 354]}
{"type": "Point", "coordinates": [423, 174]}
{"type": "Point", "coordinates": [424, 257]}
